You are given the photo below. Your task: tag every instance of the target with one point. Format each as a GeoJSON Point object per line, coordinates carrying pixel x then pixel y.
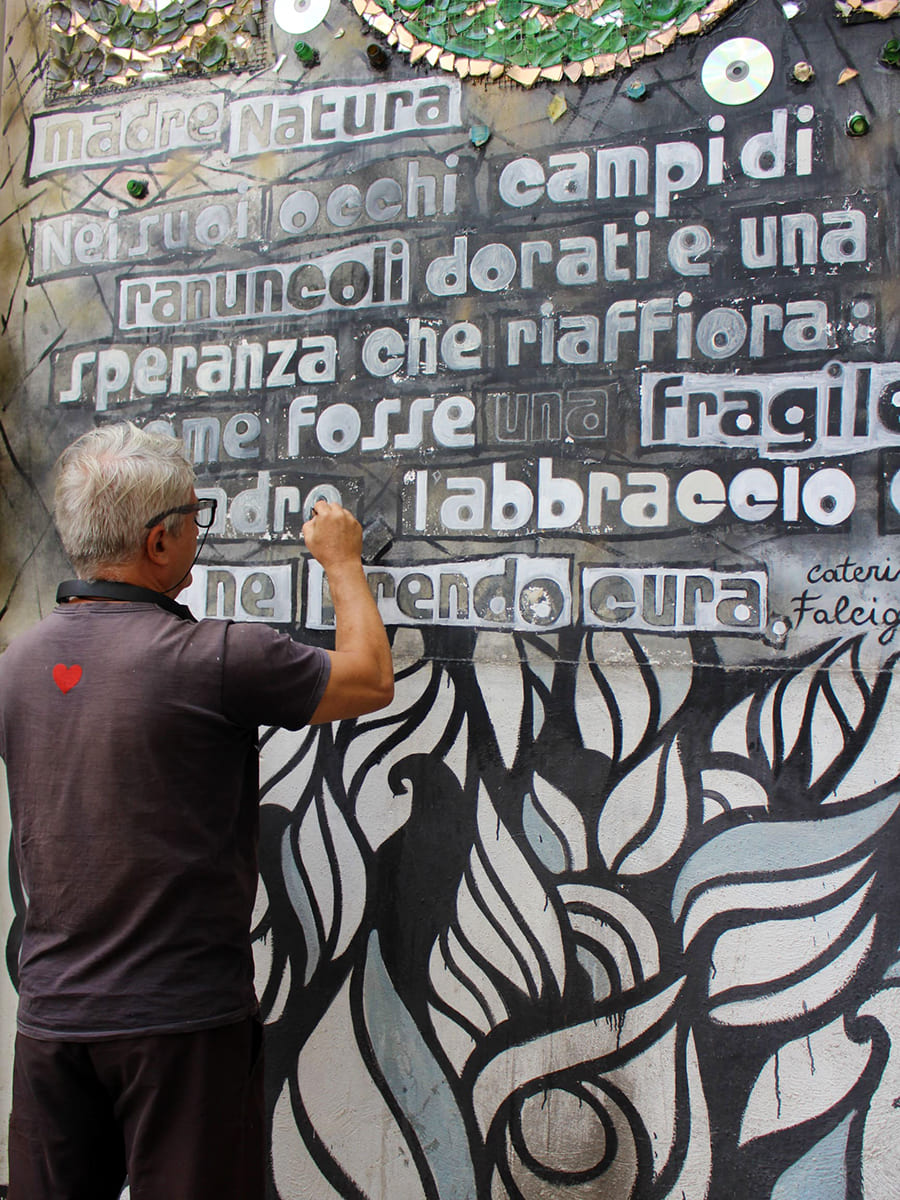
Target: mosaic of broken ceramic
{"type": "Point", "coordinates": [97, 44]}
{"type": "Point", "coordinates": [528, 42]}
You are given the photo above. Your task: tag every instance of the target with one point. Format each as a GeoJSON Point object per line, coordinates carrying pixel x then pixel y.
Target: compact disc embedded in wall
{"type": "Point", "coordinates": [299, 16]}
{"type": "Point", "coordinates": [737, 71]}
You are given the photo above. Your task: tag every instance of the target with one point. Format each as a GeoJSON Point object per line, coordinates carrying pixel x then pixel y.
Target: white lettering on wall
{"type": "Point", "coordinates": [844, 408]}
{"type": "Point", "coordinates": [512, 592]}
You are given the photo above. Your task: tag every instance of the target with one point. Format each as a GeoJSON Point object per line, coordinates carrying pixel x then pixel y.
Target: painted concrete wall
{"type": "Point", "coordinates": [606, 903]}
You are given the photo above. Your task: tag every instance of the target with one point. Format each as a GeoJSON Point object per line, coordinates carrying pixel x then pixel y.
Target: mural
{"type": "Point", "coordinates": [603, 905]}
{"type": "Point", "coordinates": [623, 939]}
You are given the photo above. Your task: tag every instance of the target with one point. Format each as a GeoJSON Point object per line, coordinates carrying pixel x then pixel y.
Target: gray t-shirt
{"type": "Point", "coordinates": [130, 742]}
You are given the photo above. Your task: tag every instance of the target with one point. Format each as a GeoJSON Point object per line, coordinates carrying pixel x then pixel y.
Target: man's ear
{"type": "Point", "coordinates": [156, 545]}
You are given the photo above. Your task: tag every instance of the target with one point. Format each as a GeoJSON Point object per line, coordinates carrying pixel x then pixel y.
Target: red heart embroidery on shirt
{"type": "Point", "coordinates": [65, 677]}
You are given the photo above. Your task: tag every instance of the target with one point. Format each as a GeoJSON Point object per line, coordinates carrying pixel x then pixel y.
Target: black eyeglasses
{"type": "Point", "coordinates": [204, 513]}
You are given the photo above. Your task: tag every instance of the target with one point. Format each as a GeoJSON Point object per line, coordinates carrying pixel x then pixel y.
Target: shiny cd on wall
{"type": "Point", "coordinates": [300, 16]}
{"type": "Point", "coordinates": [737, 71]}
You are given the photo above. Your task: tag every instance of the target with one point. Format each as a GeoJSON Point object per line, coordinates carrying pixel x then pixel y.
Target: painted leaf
{"type": "Point", "coordinates": [416, 1082]}
{"type": "Point", "coordinates": [816, 712]}
{"type": "Point", "coordinates": [555, 828]}
{"type": "Point", "coordinates": [370, 1149]}
{"type": "Point", "coordinates": [761, 850]}
{"type": "Point", "coordinates": [619, 931]}
{"type": "Point", "coordinates": [421, 712]}
{"type": "Point", "coordinates": [673, 668]}
{"type": "Point", "coordinates": [597, 721]}
{"type": "Point", "coordinates": [506, 883]}
{"type": "Point", "coordinates": [286, 765]}
{"type": "Point", "coordinates": [506, 933]}
{"type": "Point", "coordinates": [293, 1167]}
{"type": "Point", "coordinates": [464, 986]}
{"type": "Point", "coordinates": [629, 688]}
{"type": "Point", "coordinates": [696, 1169]}
{"type": "Point", "coordinates": [805, 1078]}
{"type": "Point", "coordinates": [644, 818]}
{"type": "Point", "coordinates": [730, 735]}
{"type": "Point", "coordinates": [762, 896]}
{"type": "Point", "coordinates": [629, 807]}
{"type": "Point", "coordinates": [770, 952]}
{"type": "Point", "coordinates": [727, 790]}
{"type": "Point", "coordinates": [879, 1139]}
{"type": "Point", "coordinates": [876, 764]}
{"type": "Point", "coordinates": [794, 1001]}
{"type": "Point", "coordinates": [821, 1172]}
{"type": "Point", "coordinates": [559, 1050]}
{"type": "Point", "coordinates": [324, 875]}
{"type": "Point", "coordinates": [502, 689]}
{"type": "Point", "coordinates": [665, 838]}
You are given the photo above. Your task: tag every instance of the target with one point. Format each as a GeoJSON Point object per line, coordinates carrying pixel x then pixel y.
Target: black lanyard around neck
{"type": "Point", "coordinates": [108, 589]}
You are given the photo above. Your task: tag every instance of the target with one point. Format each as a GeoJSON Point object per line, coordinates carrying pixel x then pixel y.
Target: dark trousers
{"type": "Point", "coordinates": [182, 1115]}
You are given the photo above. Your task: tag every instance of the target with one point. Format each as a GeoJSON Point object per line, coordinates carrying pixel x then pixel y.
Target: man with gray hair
{"type": "Point", "coordinates": [129, 733]}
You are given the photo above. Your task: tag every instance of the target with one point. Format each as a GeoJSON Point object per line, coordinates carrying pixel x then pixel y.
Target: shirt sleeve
{"type": "Point", "coordinates": [269, 679]}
